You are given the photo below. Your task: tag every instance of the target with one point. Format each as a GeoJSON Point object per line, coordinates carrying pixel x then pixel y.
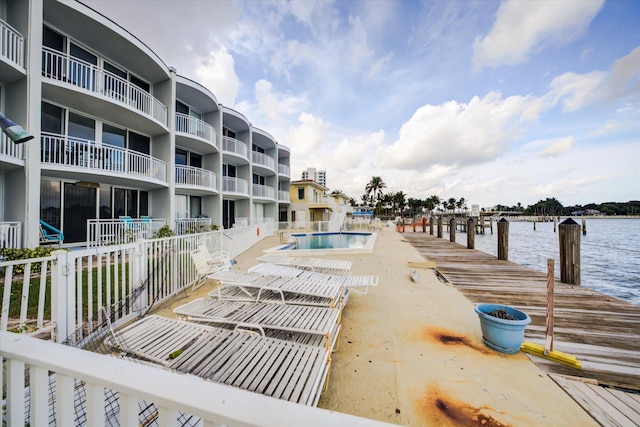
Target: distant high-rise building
{"type": "Point", "coordinates": [318, 176]}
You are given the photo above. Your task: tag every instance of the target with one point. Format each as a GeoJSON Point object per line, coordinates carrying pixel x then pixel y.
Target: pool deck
{"type": "Point", "coordinates": [411, 353]}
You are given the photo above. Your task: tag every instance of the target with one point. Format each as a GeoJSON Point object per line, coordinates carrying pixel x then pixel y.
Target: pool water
{"type": "Point", "coordinates": [330, 240]}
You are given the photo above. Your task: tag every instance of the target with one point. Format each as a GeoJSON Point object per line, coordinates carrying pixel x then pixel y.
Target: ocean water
{"type": "Point", "coordinates": [609, 252]}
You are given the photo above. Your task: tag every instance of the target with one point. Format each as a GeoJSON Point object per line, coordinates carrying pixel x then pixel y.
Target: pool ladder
{"type": "Point", "coordinates": [288, 239]}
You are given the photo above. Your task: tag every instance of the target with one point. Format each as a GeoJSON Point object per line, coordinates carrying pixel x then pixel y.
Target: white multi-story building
{"type": "Point", "coordinates": [315, 175]}
{"type": "Point", "coordinates": [119, 133]}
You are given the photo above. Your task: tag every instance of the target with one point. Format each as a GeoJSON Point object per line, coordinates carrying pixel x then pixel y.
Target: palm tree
{"type": "Point", "coordinates": [414, 204]}
{"type": "Point", "coordinates": [400, 201]}
{"type": "Point", "coordinates": [461, 204]}
{"type": "Point", "coordinates": [374, 188]}
{"type": "Point", "coordinates": [451, 204]}
{"type": "Point", "coordinates": [432, 203]}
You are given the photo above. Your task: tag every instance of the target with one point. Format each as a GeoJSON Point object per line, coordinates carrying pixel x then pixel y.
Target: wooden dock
{"type": "Point", "coordinates": [601, 331]}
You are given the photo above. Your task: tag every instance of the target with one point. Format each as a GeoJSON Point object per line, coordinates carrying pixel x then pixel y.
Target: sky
{"type": "Point", "coordinates": [494, 102]}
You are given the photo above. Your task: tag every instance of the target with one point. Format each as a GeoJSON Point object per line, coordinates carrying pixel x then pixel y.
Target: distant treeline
{"type": "Point", "coordinates": [552, 207]}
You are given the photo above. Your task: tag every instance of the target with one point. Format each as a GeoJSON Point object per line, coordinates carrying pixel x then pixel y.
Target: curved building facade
{"type": "Point", "coordinates": [118, 133]}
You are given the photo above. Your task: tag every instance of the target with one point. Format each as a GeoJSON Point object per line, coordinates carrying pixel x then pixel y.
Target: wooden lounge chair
{"type": "Point", "coordinates": [290, 290]}
{"type": "Point", "coordinates": [323, 322]}
{"type": "Point", "coordinates": [349, 282]}
{"type": "Point", "coordinates": [282, 369]}
{"type": "Point", "coordinates": [320, 265]}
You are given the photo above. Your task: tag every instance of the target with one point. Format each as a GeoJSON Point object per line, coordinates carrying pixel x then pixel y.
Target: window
{"type": "Point", "coordinates": [228, 132]}
{"type": "Point", "coordinates": [52, 119]}
{"type": "Point", "coordinates": [115, 136]}
{"type": "Point", "coordinates": [258, 179]}
{"type": "Point", "coordinates": [257, 149]}
{"type": "Point", "coordinates": [300, 193]}
{"type": "Point", "coordinates": [181, 157]}
{"type": "Point", "coordinates": [229, 170]}
{"type": "Point", "coordinates": [139, 143]}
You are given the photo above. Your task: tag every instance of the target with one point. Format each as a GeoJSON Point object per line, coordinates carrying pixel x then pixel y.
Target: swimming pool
{"type": "Point", "coordinates": [327, 243]}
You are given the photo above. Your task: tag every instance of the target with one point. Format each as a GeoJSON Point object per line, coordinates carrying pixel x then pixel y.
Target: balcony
{"type": "Point", "coordinates": [284, 196]}
{"type": "Point", "coordinates": [189, 176]}
{"type": "Point", "coordinates": [11, 235]}
{"type": "Point", "coordinates": [11, 53]}
{"type": "Point", "coordinates": [102, 232]}
{"type": "Point", "coordinates": [283, 170]}
{"type": "Point", "coordinates": [84, 155]}
{"type": "Point", "coordinates": [262, 159]}
{"type": "Point", "coordinates": [10, 153]}
{"type": "Point", "coordinates": [195, 128]}
{"type": "Point", "coordinates": [235, 185]}
{"type": "Point", "coordinates": [263, 191]}
{"type": "Point", "coordinates": [233, 146]}
{"type": "Point", "coordinates": [83, 75]}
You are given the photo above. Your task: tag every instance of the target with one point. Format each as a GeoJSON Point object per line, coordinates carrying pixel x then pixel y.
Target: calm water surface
{"type": "Point", "coordinates": [609, 252]}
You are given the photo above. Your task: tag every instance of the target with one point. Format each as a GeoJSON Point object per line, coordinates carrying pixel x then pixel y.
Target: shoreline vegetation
{"type": "Point", "coordinates": [394, 204]}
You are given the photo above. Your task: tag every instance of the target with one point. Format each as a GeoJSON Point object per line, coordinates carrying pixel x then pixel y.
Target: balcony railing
{"type": "Point", "coordinates": [192, 225]}
{"type": "Point", "coordinates": [116, 232]}
{"type": "Point", "coordinates": [84, 75]}
{"type": "Point", "coordinates": [263, 159]}
{"type": "Point", "coordinates": [11, 44]}
{"type": "Point", "coordinates": [283, 169]}
{"type": "Point", "coordinates": [264, 191]}
{"type": "Point", "coordinates": [81, 153]}
{"type": "Point", "coordinates": [195, 127]}
{"type": "Point", "coordinates": [11, 235]}
{"type": "Point", "coordinates": [188, 175]}
{"type": "Point", "coordinates": [283, 196]}
{"type": "Point", "coordinates": [235, 185]}
{"type": "Point", "coordinates": [8, 148]}
{"type": "Point", "coordinates": [232, 145]}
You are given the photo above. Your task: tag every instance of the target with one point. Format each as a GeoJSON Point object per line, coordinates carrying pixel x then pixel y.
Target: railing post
{"type": "Point", "coordinates": [569, 236]}
{"type": "Point", "coordinates": [452, 229]}
{"type": "Point", "coordinates": [471, 233]}
{"type": "Point", "coordinates": [139, 275]}
{"type": "Point", "coordinates": [503, 239]}
{"type": "Point", "coordinates": [62, 297]}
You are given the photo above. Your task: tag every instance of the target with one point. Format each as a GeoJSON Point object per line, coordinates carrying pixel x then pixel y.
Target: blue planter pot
{"type": "Point", "coordinates": [502, 335]}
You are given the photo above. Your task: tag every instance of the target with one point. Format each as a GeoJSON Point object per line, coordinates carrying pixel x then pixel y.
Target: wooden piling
{"type": "Point", "coordinates": [569, 239]}
{"type": "Point", "coordinates": [440, 227]}
{"type": "Point", "coordinates": [471, 235]}
{"type": "Point", "coordinates": [555, 223]}
{"type": "Point", "coordinates": [452, 229]}
{"type": "Point", "coordinates": [503, 239]}
{"type": "Point", "coordinates": [584, 227]}
{"type": "Point", "coordinates": [431, 226]}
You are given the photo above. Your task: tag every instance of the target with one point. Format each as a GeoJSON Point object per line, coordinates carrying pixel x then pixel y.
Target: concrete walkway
{"type": "Point", "coordinates": [412, 353]}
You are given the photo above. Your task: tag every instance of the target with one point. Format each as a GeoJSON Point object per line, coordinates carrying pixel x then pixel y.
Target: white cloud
{"type": "Point", "coordinates": [454, 133]}
{"type": "Point", "coordinates": [557, 147]}
{"type": "Point", "coordinates": [217, 73]}
{"type": "Point", "coordinates": [575, 91]}
{"type": "Point", "coordinates": [521, 27]}
{"type": "Point", "coordinates": [306, 138]}
{"type": "Point", "coordinates": [353, 152]}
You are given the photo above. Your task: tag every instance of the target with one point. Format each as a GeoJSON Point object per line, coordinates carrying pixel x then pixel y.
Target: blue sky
{"type": "Point", "coordinates": [496, 102]}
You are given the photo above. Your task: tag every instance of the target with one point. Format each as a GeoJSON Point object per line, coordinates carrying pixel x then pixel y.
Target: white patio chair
{"type": "Point", "coordinates": [320, 265]}
{"type": "Point", "coordinates": [322, 322]}
{"type": "Point", "coordinates": [349, 282]}
{"type": "Point", "coordinates": [287, 370]}
{"type": "Point", "coordinates": [206, 265]}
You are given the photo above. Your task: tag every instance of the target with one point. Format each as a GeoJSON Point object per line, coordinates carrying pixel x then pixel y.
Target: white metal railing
{"type": "Point", "coordinates": [65, 68]}
{"type": "Point", "coordinates": [192, 126]}
{"type": "Point", "coordinates": [263, 191]}
{"type": "Point", "coordinates": [284, 196]}
{"type": "Point", "coordinates": [192, 225]}
{"type": "Point", "coordinates": [11, 235]}
{"type": "Point", "coordinates": [36, 367]}
{"type": "Point", "coordinates": [67, 151]}
{"type": "Point", "coordinates": [71, 287]}
{"type": "Point", "coordinates": [115, 231]}
{"type": "Point", "coordinates": [235, 185]}
{"type": "Point", "coordinates": [10, 149]}
{"type": "Point", "coordinates": [232, 145]}
{"type": "Point", "coordinates": [263, 160]}
{"type": "Point", "coordinates": [188, 175]}
{"type": "Point", "coordinates": [283, 169]}
{"type": "Point", "coordinates": [11, 44]}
